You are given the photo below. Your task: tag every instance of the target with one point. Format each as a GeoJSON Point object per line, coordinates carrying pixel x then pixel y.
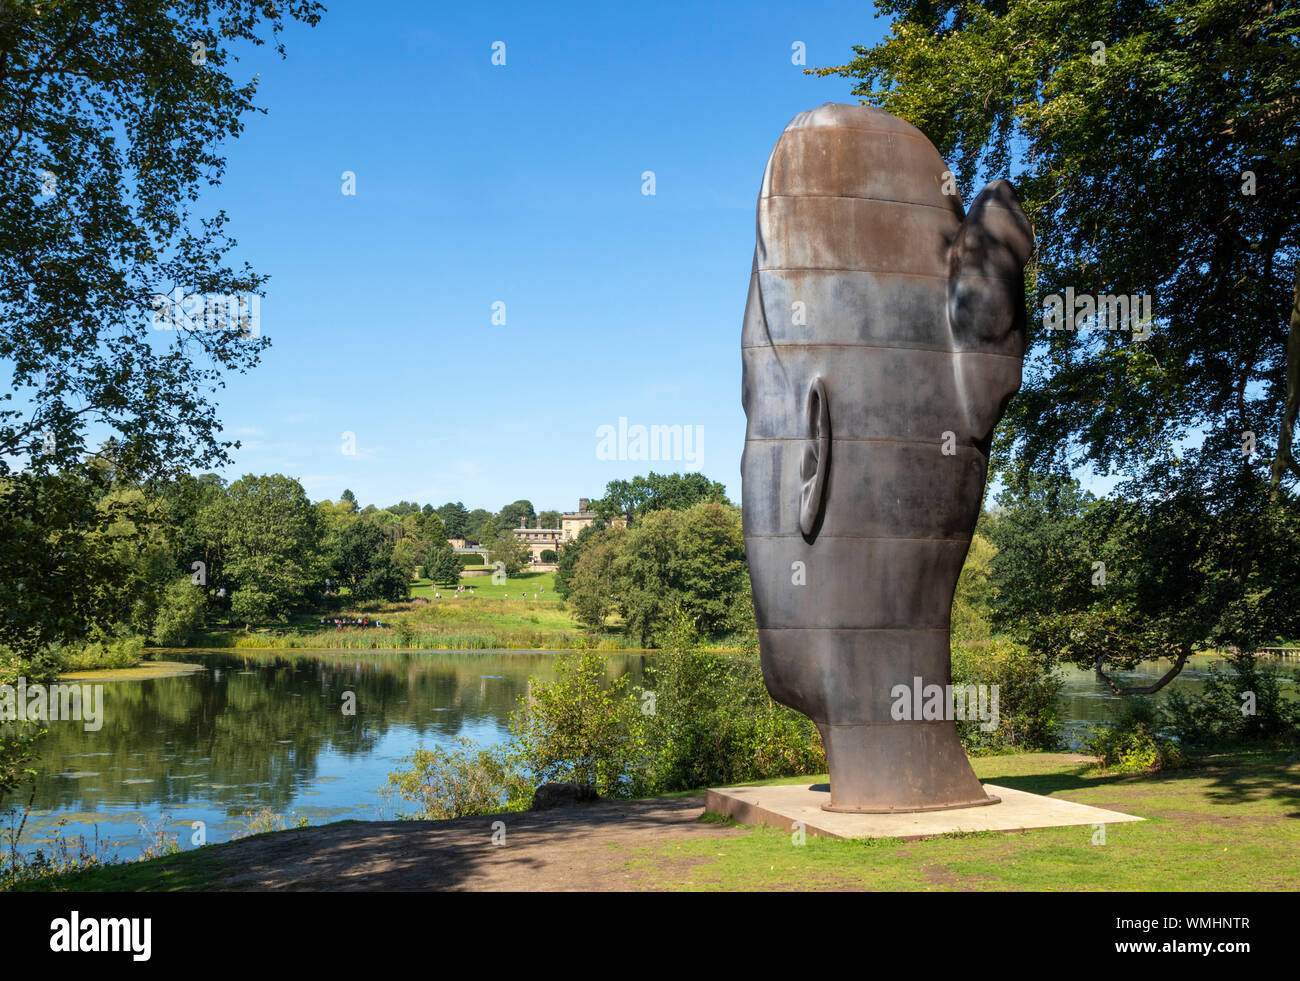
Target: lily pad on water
{"type": "Point", "coordinates": [144, 671]}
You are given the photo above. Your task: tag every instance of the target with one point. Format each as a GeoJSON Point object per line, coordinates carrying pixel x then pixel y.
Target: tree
{"type": "Point", "coordinates": [486, 534]}
{"type": "Point", "coordinates": [442, 564]}
{"type": "Point", "coordinates": [510, 515]}
{"type": "Point", "coordinates": [594, 583]}
{"type": "Point", "coordinates": [1198, 211]}
{"type": "Point", "coordinates": [692, 561]}
{"type": "Point", "coordinates": [250, 605]}
{"type": "Point", "coordinates": [180, 614]}
{"type": "Point", "coordinates": [348, 499]}
{"type": "Point", "coordinates": [570, 552]}
{"type": "Point", "coordinates": [108, 132]}
{"type": "Point", "coordinates": [455, 518]}
{"type": "Point", "coordinates": [578, 728]}
{"type": "Point", "coordinates": [110, 127]}
{"type": "Point", "coordinates": [1109, 583]}
{"type": "Point", "coordinates": [713, 573]}
{"type": "Point", "coordinates": [548, 519]}
{"type": "Point", "coordinates": [506, 548]}
{"type": "Point", "coordinates": [432, 529]}
{"type": "Point", "coordinates": [655, 492]}
{"type": "Point", "coordinates": [1044, 550]}
{"type": "Point", "coordinates": [264, 532]}
{"type": "Point", "coordinates": [82, 553]}
{"type": "Point", "coordinates": [364, 563]}
{"type": "Point", "coordinates": [475, 524]}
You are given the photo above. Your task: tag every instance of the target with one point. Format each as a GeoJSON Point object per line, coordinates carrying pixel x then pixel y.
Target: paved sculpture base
{"type": "Point", "coordinates": [780, 807]}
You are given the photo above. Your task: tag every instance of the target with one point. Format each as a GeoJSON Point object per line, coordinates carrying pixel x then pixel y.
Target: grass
{"type": "Point", "coordinates": [1226, 823]}
{"type": "Point", "coordinates": [541, 583]}
{"type": "Point", "coordinates": [501, 616]}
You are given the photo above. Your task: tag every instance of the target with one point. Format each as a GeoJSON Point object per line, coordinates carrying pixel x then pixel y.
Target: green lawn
{"type": "Point", "coordinates": [1226, 824]}
{"type": "Point", "coordinates": [525, 584]}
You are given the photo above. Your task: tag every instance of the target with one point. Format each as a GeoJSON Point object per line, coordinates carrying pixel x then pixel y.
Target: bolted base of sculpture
{"type": "Point", "coordinates": [898, 768]}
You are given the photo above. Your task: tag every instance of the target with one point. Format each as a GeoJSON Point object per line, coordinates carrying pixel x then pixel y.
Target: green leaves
{"type": "Point", "coordinates": [264, 530]}
{"type": "Point", "coordinates": [1129, 131]}
{"type": "Point", "coordinates": [108, 132]}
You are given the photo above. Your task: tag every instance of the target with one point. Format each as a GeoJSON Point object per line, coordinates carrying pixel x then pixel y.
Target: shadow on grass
{"type": "Point", "coordinates": [1230, 778]}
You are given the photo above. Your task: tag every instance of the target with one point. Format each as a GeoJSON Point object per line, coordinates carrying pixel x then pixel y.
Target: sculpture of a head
{"type": "Point", "coordinates": [883, 336]}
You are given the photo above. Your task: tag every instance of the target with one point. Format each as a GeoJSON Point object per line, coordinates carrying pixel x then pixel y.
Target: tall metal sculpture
{"type": "Point", "coordinates": [883, 336]}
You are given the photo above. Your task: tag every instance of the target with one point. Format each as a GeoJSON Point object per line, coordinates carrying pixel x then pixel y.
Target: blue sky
{"type": "Point", "coordinates": [519, 184]}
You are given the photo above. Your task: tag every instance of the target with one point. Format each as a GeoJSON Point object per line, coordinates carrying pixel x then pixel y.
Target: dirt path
{"type": "Point", "coordinates": [574, 848]}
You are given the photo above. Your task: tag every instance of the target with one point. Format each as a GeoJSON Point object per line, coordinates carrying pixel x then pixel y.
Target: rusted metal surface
{"type": "Point", "coordinates": [883, 336]}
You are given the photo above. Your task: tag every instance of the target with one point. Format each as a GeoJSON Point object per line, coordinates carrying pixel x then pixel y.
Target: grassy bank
{"type": "Point", "coordinates": [523, 613]}
{"type": "Point", "coordinates": [1224, 824]}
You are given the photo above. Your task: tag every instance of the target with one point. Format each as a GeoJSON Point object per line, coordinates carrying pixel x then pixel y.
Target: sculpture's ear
{"type": "Point", "coordinates": [816, 461]}
{"type": "Point", "coordinates": [986, 296]}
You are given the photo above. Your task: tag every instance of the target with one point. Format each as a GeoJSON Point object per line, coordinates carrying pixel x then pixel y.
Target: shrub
{"type": "Point", "coordinates": [460, 782]}
{"type": "Point", "coordinates": [101, 649]}
{"type": "Point", "coordinates": [1133, 742]}
{"type": "Point", "coordinates": [707, 720]}
{"type": "Point", "coordinates": [404, 632]}
{"type": "Point", "coordinates": [473, 558]}
{"type": "Point", "coordinates": [1237, 707]}
{"type": "Point", "coordinates": [578, 729]}
{"type": "Point", "coordinates": [713, 721]}
{"type": "Point", "coordinates": [549, 555]}
{"type": "Point", "coordinates": [1026, 697]}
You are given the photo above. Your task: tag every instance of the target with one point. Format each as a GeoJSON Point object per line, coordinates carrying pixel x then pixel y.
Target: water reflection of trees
{"type": "Point", "coordinates": [260, 722]}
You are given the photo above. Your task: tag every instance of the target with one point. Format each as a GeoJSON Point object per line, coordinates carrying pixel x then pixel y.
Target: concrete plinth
{"type": "Point", "coordinates": [781, 806]}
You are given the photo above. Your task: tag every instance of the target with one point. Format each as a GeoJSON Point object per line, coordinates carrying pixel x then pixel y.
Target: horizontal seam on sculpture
{"type": "Point", "coordinates": [875, 347]}
{"type": "Point", "coordinates": [856, 439]}
{"type": "Point", "coordinates": [849, 269]}
{"type": "Point", "coordinates": [965, 275]}
{"type": "Point", "coordinates": [859, 197]}
{"type": "Point", "coordinates": [850, 344]}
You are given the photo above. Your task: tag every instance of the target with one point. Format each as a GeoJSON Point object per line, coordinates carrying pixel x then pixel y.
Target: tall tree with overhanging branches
{"type": "Point", "coordinates": [113, 116]}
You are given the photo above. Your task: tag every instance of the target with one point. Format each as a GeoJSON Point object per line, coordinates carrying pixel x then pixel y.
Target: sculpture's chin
{"type": "Point", "coordinates": [860, 686]}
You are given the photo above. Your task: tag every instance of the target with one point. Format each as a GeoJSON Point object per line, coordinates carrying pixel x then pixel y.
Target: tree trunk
{"type": "Point", "coordinates": [1284, 460]}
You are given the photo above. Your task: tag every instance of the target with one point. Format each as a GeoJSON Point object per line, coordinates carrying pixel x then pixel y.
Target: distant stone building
{"type": "Point", "coordinates": [540, 539]}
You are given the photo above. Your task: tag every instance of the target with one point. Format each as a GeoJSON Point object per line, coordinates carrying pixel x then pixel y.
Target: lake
{"type": "Point", "coordinates": [243, 731]}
